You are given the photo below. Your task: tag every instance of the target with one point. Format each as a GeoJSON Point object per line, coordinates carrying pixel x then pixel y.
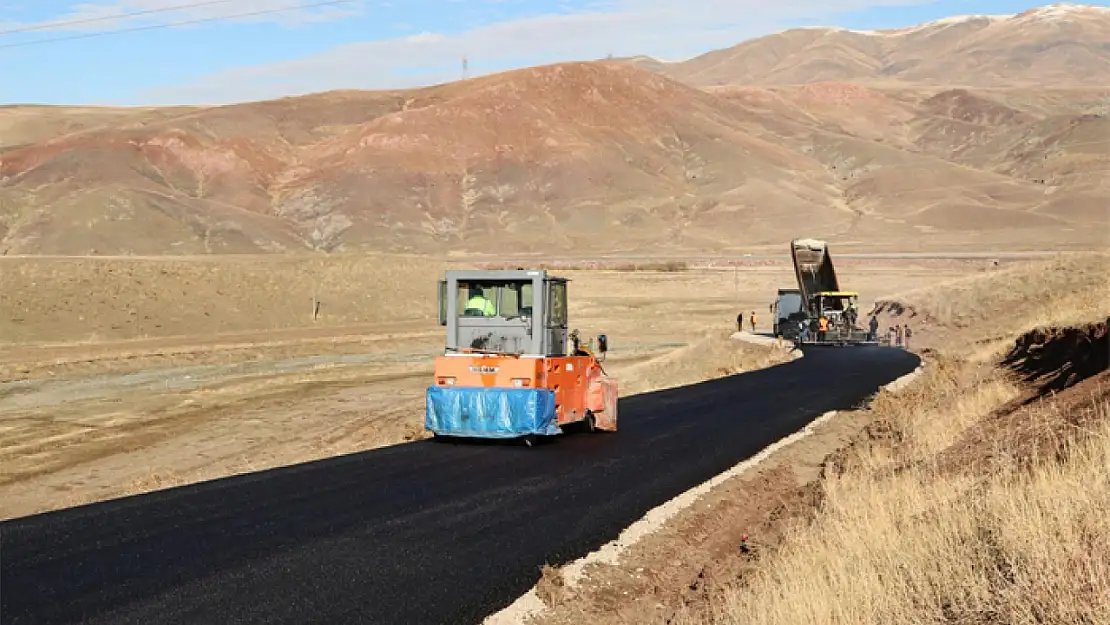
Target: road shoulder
{"type": "Point", "coordinates": [708, 535]}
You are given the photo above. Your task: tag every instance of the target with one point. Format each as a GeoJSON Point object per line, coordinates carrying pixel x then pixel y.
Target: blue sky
{"type": "Point", "coordinates": [298, 46]}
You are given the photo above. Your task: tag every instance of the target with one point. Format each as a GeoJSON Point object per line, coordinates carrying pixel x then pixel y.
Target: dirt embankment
{"type": "Point", "coordinates": [1057, 358]}
{"type": "Point", "coordinates": [980, 315]}
{"type": "Point", "coordinates": [779, 544]}
{"type": "Point", "coordinates": [1065, 377]}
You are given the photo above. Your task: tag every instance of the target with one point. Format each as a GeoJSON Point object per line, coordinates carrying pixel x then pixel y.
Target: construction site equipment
{"type": "Point", "coordinates": [813, 268]}
{"type": "Point", "coordinates": [787, 313]}
{"type": "Point", "coordinates": [821, 295]}
{"type": "Point", "coordinates": [508, 369]}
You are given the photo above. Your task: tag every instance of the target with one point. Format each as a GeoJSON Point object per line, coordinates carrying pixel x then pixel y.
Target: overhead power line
{"type": "Point", "coordinates": [109, 18]}
{"type": "Point", "coordinates": [203, 20]}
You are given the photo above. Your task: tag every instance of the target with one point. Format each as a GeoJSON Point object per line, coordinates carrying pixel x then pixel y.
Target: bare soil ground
{"type": "Point", "coordinates": [111, 386]}
{"type": "Point", "coordinates": [952, 500]}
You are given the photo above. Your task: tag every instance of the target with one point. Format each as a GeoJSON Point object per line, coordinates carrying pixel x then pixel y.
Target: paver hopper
{"type": "Point", "coordinates": [821, 296]}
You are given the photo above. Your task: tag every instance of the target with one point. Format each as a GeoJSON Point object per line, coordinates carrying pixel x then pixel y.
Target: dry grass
{"type": "Point", "coordinates": [73, 300]}
{"type": "Point", "coordinates": [711, 356]}
{"type": "Point", "coordinates": [962, 505]}
{"type": "Point", "coordinates": [1061, 291]}
{"type": "Point", "coordinates": [980, 314]}
{"type": "Point", "coordinates": [937, 410]}
{"type": "Point", "coordinates": [921, 545]}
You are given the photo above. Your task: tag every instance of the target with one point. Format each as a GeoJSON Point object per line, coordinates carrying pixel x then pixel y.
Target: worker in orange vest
{"type": "Point", "coordinates": [822, 327]}
{"type": "Point", "coordinates": [751, 320]}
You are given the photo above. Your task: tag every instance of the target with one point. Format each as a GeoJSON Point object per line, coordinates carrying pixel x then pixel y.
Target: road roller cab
{"type": "Point", "coordinates": [510, 368]}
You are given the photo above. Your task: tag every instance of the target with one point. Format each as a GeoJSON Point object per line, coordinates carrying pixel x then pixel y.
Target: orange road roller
{"type": "Point", "coordinates": [510, 368]}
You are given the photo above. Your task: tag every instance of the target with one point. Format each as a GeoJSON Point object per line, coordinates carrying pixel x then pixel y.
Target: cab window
{"type": "Point", "coordinates": [557, 312]}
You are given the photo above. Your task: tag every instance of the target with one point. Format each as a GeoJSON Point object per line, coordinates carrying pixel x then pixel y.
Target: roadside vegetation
{"type": "Point", "coordinates": [709, 356]}
{"type": "Point", "coordinates": [906, 534]}
{"type": "Point", "coordinates": [980, 315]}
{"type": "Point", "coordinates": [978, 494]}
{"type": "Point", "coordinates": [974, 494]}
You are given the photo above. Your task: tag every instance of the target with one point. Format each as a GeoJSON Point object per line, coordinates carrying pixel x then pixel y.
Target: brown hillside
{"type": "Point", "coordinates": [547, 154]}
{"type": "Point", "coordinates": [26, 125]}
{"type": "Point", "coordinates": [585, 158]}
{"type": "Point", "coordinates": [553, 150]}
{"type": "Point", "coordinates": [1059, 44]}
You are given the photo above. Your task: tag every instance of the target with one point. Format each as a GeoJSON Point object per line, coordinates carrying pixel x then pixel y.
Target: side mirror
{"type": "Point", "coordinates": [602, 343]}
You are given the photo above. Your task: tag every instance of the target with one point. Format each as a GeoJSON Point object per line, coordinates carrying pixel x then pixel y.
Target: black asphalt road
{"type": "Point", "coordinates": [417, 533]}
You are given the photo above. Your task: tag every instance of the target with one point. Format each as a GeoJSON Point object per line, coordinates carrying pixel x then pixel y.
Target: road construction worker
{"type": "Point", "coordinates": [822, 327]}
{"type": "Point", "coordinates": [740, 321]}
{"type": "Point", "coordinates": [873, 326]}
{"type": "Point", "coordinates": [752, 320]}
{"type": "Point", "coordinates": [909, 333]}
{"type": "Point", "coordinates": [477, 301]}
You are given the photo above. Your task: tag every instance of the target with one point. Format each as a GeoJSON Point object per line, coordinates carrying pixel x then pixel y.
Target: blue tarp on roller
{"type": "Point", "coordinates": [490, 412]}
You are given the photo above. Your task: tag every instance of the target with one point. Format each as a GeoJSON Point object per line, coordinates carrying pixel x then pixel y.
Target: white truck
{"type": "Point", "coordinates": [787, 313]}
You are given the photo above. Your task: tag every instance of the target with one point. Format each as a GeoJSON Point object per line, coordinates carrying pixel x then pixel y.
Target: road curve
{"type": "Point", "coordinates": [416, 533]}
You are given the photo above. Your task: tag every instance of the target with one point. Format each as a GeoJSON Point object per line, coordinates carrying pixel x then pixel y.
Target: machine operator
{"type": "Point", "coordinates": [477, 301]}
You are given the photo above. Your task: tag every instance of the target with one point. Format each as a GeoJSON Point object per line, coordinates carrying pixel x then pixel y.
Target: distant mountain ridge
{"type": "Point", "coordinates": [604, 157]}
{"type": "Point", "coordinates": [1055, 45]}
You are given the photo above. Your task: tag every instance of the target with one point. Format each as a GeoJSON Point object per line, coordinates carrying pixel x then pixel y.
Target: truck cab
{"type": "Point", "coordinates": [787, 312]}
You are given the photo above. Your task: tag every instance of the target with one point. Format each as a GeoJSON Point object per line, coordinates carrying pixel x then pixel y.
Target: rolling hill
{"type": "Point", "coordinates": [1055, 45]}
{"type": "Point", "coordinates": [596, 157]}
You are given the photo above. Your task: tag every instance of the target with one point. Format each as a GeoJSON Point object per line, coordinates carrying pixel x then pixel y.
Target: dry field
{"type": "Point", "coordinates": [126, 375]}
{"type": "Point", "coordinates": [977, 494]}
{"type": "Point", "coordinates": [113, 385]}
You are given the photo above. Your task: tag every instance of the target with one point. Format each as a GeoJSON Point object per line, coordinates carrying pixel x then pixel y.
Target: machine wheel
{"type": "Point", "coordinates": [590, 422]}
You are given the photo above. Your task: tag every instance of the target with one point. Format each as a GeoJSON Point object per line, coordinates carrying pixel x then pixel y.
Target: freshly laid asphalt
{"type": "Point", "coordinates": [417, 533]}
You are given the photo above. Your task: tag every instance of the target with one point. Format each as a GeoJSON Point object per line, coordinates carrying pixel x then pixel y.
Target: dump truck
{"type": "Point", "coordinates": [821, 295]}
{"type": "Point", "coordinates": [510, 368]}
